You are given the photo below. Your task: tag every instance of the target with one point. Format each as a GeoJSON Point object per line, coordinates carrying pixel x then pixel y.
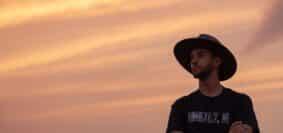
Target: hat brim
{"type": "Point", "coordinates": [184, 47]}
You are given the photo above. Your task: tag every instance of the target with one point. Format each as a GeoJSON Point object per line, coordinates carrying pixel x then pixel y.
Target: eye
{"type": "Point", "coordinates": [200, 54]}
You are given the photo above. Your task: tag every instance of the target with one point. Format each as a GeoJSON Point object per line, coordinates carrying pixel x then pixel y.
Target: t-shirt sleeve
{"type": "Point", "coordinates": [176, 119]}
{"type": "Point", "coordinates": [247, 114]}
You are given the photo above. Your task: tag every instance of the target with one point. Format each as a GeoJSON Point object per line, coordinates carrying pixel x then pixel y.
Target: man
{"type": "Point", "coordinates": [212, 107]}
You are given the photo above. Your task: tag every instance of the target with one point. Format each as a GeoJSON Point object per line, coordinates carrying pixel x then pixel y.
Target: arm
{"type": "Point", "coordinates": [176, 121]}
{"type": "Point", "coordinates": [239, 127]}
{"type": "Point", "coordinates": [246, 113]}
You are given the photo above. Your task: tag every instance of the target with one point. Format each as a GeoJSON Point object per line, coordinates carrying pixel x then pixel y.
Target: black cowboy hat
{"type": "Point", "coordinates": [184, 47]}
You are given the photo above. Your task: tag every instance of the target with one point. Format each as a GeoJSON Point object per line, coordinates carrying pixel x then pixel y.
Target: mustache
{"type": "Point", "coordinates": [195, 66]}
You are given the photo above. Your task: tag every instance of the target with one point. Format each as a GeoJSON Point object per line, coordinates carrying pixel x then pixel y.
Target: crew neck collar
{"type": "Point", "coordinates": [224, 90]}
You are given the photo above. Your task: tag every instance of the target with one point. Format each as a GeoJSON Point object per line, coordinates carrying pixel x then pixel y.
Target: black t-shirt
{"type": "Point", "coordinates": [198, 113]}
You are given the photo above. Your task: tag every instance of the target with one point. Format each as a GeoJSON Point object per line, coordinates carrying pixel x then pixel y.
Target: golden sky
{"type": "Point", "coordinates": [108, 65]}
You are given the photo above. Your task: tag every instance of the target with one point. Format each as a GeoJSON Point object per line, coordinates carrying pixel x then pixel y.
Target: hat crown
{"type": "Point", "coordinates": [184, 47]}
{"type": "Point", "coordinates": [208, 37]}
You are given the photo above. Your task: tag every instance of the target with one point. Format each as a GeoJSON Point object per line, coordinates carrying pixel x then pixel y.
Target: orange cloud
{"type": "Point", "coordinates": [35, 10]}
{"type": "Point", "coordinates": [137, 31]}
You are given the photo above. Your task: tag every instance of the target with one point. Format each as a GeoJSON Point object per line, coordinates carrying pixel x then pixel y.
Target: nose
{"type": "Point", "coordinates": [193, 62]}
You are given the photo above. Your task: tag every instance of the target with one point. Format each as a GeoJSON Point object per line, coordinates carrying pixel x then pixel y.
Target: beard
{"type": "Point", "coordinates": [204, 73]}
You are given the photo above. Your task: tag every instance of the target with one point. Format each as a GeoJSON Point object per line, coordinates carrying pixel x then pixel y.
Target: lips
{"type": "Point", "coordinates": [195, 68]}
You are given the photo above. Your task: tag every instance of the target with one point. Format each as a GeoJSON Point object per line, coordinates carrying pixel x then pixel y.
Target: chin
{"type": "Point", "coordinates": [195, 75]}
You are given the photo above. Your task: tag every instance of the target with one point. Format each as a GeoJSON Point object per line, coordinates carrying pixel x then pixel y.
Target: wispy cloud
{"type": "Point", "coordinates": [76, 64]}
{"type": "Point", "coordinates": [125, 32]}
{"type": "Point", "coordinates": [27, 10]}
{"type": "Point", "coordinates": [23, 11]}
{"type": "Point", "coordinates": [270, 29]}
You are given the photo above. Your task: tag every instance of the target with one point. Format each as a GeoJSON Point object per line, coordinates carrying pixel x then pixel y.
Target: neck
{"type": "Point", "coordinates": [210, 86]}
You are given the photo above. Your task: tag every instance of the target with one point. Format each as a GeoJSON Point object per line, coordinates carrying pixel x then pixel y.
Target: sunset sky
{"type": "Point", "coordinates": [104, 66]}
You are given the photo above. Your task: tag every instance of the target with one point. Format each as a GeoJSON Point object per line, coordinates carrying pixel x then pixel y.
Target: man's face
{"type": "Point", "coordinates": [202, 63]}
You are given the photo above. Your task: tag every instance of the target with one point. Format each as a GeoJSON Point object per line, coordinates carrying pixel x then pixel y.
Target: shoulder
{"type": "Point", "coordinates": [185, 98]}
{"type": "Point", "coordinates": [238, 93]}
{"type": "Point", "coordinates": [239, 96]}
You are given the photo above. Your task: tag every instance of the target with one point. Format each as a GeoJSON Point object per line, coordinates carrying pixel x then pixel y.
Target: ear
{"type": "Point", "coordinates": [218, 61]}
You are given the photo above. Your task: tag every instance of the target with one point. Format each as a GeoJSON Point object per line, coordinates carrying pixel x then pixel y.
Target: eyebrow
{"type": "Point", "coordinates": [199, 51]}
